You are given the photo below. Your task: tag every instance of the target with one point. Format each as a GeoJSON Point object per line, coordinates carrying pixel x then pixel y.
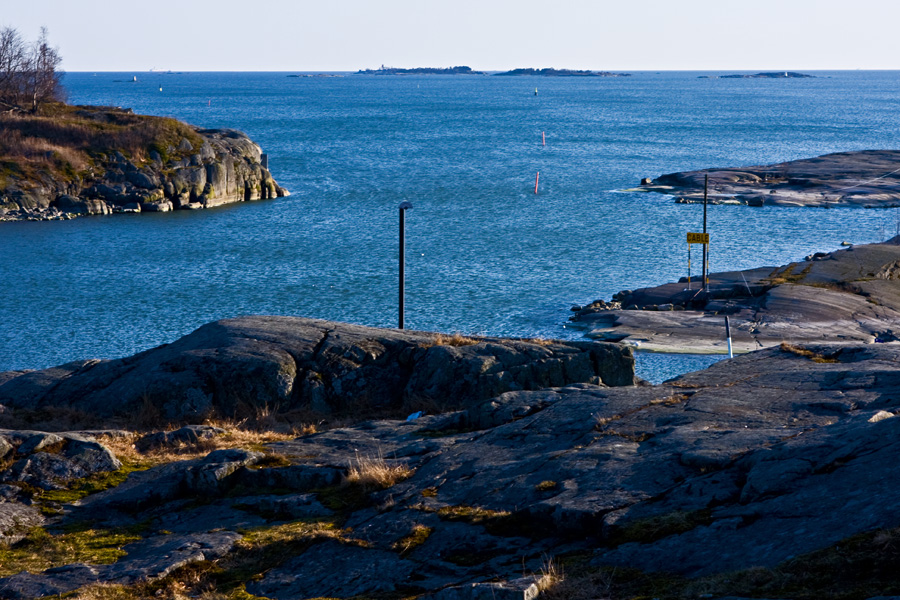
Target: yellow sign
{"type": "Point", "coordinates": [698, 238]}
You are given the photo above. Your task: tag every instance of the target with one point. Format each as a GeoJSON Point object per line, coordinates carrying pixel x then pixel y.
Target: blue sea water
{"type": "Point", "coordinates": [485, 255]}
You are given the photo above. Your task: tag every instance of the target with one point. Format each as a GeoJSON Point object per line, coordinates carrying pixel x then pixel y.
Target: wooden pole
{"type": "Point", "coordinates": [705, 245]}
{"type": "Point", "coordinates": [543, 139]}
{"type": "Point", "coordinates": [537, 178]}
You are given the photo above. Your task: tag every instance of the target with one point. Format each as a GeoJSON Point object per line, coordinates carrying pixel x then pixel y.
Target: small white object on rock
{"type": "Point", "coordinates": [881, 415]}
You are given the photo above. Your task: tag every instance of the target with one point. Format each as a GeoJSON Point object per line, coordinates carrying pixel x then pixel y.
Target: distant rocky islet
{"type": "Point", "coordinates": [867, 179]}
{"type": "Point", "coordinates": [546, 72]}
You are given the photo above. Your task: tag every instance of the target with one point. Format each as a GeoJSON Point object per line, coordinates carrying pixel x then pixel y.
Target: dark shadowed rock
{"type": "Point", "coordinates": [524, 588]}
{"type": "Point", "coordinates": [362, 571]}
{"type": "Point", "coordinates": [236, 366]}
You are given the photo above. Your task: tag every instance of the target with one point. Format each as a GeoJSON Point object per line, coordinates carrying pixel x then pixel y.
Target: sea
{"type": "Point", "coordinates": [486, 255]}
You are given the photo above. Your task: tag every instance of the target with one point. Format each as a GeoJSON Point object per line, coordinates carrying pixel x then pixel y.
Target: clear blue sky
{"type": "Point", "coordinates": [284, 35]}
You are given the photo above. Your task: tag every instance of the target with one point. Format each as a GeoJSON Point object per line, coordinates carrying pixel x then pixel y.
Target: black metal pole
{"type": "Point", "coordinates": [402, 299]}
{"type": "Point", "coordinates": [402, 265]}
{"type": "Point", "coordinates": [705, 245]}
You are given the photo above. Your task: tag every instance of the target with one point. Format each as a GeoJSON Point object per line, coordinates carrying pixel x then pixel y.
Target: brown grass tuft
{"type": "Point", "coordinates": [234, 437]}
{"type": "Point", "coordinates": [375, 473]}
{"type": "Point", "coordinates": [813, 356]}
{"type": "Point", "coordinates": [457, 339]}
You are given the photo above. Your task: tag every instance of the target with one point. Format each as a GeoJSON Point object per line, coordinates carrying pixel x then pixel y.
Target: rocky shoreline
{"type": "Point", "coordinates": [770, 475]}
{"type": "Point", "coordinates": [869, 179]}
{"type": "Point", "coordinates": [212, 168]}
{"type": "Point", "coordinates": [849, 296]}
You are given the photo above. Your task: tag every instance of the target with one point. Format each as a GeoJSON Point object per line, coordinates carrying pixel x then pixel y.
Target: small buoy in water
{"type": "Point", "coordinates": [535, 91]}
{"type": "Point", "coordinates": [160, 88]}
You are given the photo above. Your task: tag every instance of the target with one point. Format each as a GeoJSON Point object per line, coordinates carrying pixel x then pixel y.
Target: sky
{"type": "Point", "coordinates": [347, 35]}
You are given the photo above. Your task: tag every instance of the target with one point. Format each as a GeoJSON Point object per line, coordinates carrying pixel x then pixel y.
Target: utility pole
{"type": "Point", "coordinates": [403, 208]}
{"type": "Point", "coordinates": [705, 245]}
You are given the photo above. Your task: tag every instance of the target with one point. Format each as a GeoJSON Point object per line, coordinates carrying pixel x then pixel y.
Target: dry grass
{"type": "Point", "coordinates": [538, 341]}
{"type": "Point", "coordinates": [375, 473]}
{"type": "Point", "coordinates": [555, 585]}
{"type": "Point", "coordinates": [234, 437]}
{"type": "Point", "coordinates": [813, 356]}
{"type": "Point", "coordinates": [787, 275]}
{"type": "Point", "coordinates": [416, 538]}
{"type": "Point", "coordinates": [456, 339]}
{"type": "Point", "coordinates": [68, 143]}
{"type": "Point", "coordinates": [551, 577]}
{"type": "Point", "coordinates": [471, 514]}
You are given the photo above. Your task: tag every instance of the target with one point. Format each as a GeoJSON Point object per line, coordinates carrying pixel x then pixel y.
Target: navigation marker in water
{"type": "Point", "coordinates": [536, 179]}
{"type": "Point", "coordinates": [543, 137]}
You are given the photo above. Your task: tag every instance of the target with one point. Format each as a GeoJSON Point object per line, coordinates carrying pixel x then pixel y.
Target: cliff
{"type": "Point", "coordinates": [73, 160]}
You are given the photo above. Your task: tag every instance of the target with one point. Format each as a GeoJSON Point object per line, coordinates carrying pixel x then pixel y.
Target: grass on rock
{"type": "Point", "coordinates": [40, 550]}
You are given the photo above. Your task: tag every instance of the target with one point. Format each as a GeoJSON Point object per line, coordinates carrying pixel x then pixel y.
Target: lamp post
{"type": "Point", "coordinates": [403, 208]}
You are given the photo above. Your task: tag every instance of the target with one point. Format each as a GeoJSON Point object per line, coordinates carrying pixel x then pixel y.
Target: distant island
{"type": "Point", "coordinates": [316, 75]}
{"type": "Point", "coordinates": [561, 73]}
{"type": "Point", "coordinates": [776, 75]}
{"type": "Point", "coordinates": [420, 71]}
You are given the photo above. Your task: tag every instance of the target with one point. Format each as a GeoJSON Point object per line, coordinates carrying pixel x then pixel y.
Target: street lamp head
{"type": "Point", "coordinates": [405, 205]}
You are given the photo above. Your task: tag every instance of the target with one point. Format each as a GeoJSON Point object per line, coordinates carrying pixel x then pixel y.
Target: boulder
{"type": "Point", "coordinates": [51, 461]}
{"type": "Point", "coordinates": [188, 435]}
{"type": "Point", "coordinates": [15, 521]}
{"type": "Point", "coordinates": [237, 366]}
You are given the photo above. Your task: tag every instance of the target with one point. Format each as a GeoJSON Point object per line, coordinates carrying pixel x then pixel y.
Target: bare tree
{"type": "Point", "coordinates": [13, 67]}
{"type": "Point", "coordinates": [29, 75]}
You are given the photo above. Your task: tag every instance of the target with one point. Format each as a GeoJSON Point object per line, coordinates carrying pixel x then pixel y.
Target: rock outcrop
{"type": "Point", "coordinates": [869, 178]}
{"type": "Point", "coordinates": [847, 296]}
{"type": "Point", "coordinates": [239, 366]}
{"type": "Point", "coordinates": [214, 167]}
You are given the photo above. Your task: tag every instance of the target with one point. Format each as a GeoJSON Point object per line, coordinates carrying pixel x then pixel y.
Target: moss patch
{"type": "Point", "coordinates": [416, 538]}
{"type": "Point", "coordinates": [97, 482]}
{"type": "Point", "coordinates": [41, 550]}
{"type": "Point", "coordinates": [645, 531]}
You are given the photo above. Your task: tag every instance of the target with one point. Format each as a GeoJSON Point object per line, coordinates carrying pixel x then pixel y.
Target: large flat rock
{"type": "Point", "coordinates": [238, 366]}
{"type": "Point", "coordinates": [848, 296]}
{"type": "Point", "coordinates": [869, 178]}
